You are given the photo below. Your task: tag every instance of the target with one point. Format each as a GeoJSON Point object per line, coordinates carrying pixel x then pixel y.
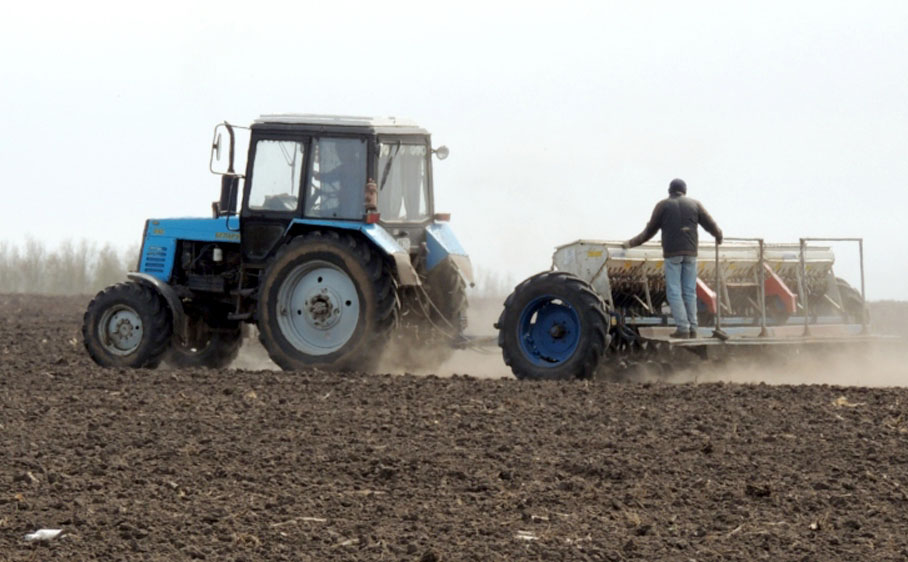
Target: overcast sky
{"type": "Point", "coordinates": [565, 120]}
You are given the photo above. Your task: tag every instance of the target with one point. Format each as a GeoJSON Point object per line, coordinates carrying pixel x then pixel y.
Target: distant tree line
{"type": "Point", "coordinates": [71, 268]}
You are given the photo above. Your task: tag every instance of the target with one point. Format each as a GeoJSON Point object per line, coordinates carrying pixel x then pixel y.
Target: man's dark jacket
{"type": "Point", "coordinates": [678, 217]}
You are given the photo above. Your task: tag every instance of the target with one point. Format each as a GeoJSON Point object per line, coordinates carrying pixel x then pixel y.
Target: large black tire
{"type": "Point", "coordinates": [127, 325]}
{"type": "Point", "coordinates": [212, 348]}
{"type": "Point", "coordinates": [327, 301]}
{"type": "Point", "coordinates": [554, 326]}
{"type": "Point", "coordinates": [430, 330]}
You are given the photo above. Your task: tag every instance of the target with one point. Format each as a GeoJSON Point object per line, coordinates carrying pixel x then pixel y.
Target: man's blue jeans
{"type": "Point", "coordinates": [681, 290]}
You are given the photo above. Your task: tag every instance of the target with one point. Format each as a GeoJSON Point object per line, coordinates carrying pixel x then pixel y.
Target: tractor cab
{"type": "Point", "coordinates": [310, 169]}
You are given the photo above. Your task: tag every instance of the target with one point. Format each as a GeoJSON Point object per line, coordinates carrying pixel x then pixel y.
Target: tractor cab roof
{"type": "Point", "coordinates": [347, 123]}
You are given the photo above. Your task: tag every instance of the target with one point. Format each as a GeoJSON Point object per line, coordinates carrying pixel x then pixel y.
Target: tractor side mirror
{"type": "Point", "coordinates": [228, 149]}
{"type": "Point", "coordinates": [441, 152]}
{"type": "Point", "coordinates": [227, 203]}
{"type": "Point", "coordinates": [222, 150]}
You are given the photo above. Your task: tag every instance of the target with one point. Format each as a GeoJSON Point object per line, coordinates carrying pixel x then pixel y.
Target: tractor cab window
{"type": "Point", "coordinates": [338, 179]}
{"type": "Point", "coordinates": [402, 183]}
{"type": "Point", "coordinates": [276, 175]}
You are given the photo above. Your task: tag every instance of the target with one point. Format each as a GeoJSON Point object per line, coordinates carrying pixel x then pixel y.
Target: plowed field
{"type": "Point", "coordinates": [264, 465]}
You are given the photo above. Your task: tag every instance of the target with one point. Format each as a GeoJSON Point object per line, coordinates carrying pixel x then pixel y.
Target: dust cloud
{"type": "Point", "coordinates": [875, 365]}
{"type": "Point", "coordinates": [252, 356]}
{"type": "Point", "coordinates": [476, 361]}
{"type": "Point", "coordinates": [473, 362]}
{"type": "Point", "coordinates": [479, 360]}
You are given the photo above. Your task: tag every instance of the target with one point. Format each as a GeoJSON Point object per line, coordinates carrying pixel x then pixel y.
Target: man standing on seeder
{"type": "Point", "coordinates": [678, 217]}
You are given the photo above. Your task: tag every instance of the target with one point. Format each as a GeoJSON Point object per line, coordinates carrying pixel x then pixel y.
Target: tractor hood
{"type": "Point", "coordinates": [159, 241]}
{"type": "Point", "coordinates": [222, 229]}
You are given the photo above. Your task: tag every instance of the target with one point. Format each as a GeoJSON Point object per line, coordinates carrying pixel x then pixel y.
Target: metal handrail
{"type": "Point", "coordinates": [762, 273]}
{"type": "Point", "coordinates": [802, 280]}
{"type": "Point", "coordinates": [803, 246]}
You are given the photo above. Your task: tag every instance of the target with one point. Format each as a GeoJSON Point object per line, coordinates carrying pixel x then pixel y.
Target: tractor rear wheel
{"type": "Point", "coordinates": [429, 330]}
{"type": "Point", "coordinates": [448, 290]}
{"type": "Point", "coordinates": [554, 326]}
{"type": "Point", "coordinates": [127, 325]}
{"type": "Point", "coordinates": [327, 301]}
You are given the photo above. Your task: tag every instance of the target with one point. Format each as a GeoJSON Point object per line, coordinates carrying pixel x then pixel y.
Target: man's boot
{"type": "Point", "coordinates": [680, 334]}
{"type": "Point", "coordinates": [693, 334]}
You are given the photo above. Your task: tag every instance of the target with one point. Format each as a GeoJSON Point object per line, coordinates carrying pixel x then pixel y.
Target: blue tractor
{"type": "Point", "coordinates": [329, 244]}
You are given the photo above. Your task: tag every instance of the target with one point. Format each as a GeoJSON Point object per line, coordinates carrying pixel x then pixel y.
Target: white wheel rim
{"type": "Point", "coordinates": [120, 330]}
{"type": "Point", "coordinates": [318, 308]}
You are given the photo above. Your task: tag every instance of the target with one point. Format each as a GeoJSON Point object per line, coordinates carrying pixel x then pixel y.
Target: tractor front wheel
{"type": "Point", "coordinates": [127, 325]}
{"type": "Point", "coordinates": [554, 326]}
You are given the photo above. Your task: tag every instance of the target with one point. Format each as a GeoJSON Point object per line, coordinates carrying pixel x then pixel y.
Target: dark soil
{"type": "Point", "coordinates": [242, 465]}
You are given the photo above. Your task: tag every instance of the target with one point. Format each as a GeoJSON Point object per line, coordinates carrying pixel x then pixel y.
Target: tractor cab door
{"type": "Point", "coordinates": [337, 180]}
{"type": "Point", "coordinates": [315, 177]}
{"type": "Point", "coordinates": [274, 178]}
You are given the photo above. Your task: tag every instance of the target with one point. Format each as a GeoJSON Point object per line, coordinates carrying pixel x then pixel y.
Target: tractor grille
{"type": "Point", "coordinates": [155, 259]}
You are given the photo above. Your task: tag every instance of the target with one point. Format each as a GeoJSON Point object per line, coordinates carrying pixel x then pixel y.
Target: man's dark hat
{"type": "Point", "coordinates": [677, 186]}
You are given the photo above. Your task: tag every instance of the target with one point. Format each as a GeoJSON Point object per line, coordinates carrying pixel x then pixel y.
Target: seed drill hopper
{"type": "Point", "coordinates": [603, 307]}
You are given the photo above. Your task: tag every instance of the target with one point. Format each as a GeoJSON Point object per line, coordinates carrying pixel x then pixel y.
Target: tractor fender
{"type": "Point", "coordinates": [377, 235]}
{"type": "Point", "coordinates": [406, 273]}
{"type": "Point", "coordinates": [442, 245]}
{"type": "Point", "coordinates": [170, 297]}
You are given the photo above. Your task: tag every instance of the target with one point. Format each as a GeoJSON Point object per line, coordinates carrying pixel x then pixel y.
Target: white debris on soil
{"type": "Point", "coordinates": [43, 535]}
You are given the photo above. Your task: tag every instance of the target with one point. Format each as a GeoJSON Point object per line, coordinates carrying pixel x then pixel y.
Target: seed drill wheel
{"type": "Point", "coordinates": [326, 301]}
{"type": "Point", "coordinates": [208, 347]}
{"type": "Point", "coordinates": [554, 326]}
{"type": "Point", "coordinates": [127, 325]}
